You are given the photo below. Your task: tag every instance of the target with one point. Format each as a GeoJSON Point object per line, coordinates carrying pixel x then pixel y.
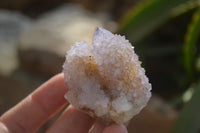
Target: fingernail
{"type": "Point", "coordinates": [115, 129]}
{"type": "Point", "coordinates": [124, 128]}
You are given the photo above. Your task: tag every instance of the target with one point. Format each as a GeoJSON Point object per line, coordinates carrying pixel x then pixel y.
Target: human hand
{"type": "Point", "coordinates": [32, 112]}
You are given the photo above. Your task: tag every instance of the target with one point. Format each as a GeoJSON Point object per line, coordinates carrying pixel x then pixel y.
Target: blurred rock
{"type": "Point", "coordinates": [11, 92]}
{"type": "Point", "coordinates": [11, 25]}
{"type": "Point", "coordinates": [157, 117]}
{"type": "Point", "coordinates": [42, 47]}
{"type": "Point", "coordinates": [161, 107]}
{"type": "Point", "coordinates": [32, 80]}
{"type": "Point", "coordinates": [17, 86]}
{"type": "Point", "coordinates": [6, 93]}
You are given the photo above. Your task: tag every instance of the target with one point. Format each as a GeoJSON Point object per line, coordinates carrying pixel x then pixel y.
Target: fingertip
{"type": "Point", "coordinates": [72, 121]}
{"type": "Point", "coordinates": [115, 129]}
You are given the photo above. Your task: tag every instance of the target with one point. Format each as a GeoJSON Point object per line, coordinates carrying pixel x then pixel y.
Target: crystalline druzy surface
{"type": "Point", "coordinates": [106, 80]}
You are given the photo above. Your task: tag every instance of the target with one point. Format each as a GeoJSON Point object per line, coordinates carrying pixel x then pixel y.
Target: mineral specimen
{"type": "Point", "coordinates": [106, 79]}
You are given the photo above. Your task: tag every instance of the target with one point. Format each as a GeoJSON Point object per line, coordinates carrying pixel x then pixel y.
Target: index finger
{"type": "Point", "coordinates": [37, 108]}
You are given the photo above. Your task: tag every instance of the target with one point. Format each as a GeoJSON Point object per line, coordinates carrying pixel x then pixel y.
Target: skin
{"type": "Point", "coordinates": [47, 100]}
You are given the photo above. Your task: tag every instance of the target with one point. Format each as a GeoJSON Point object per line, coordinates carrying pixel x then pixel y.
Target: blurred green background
{"type": "Point", "coordinates": [35, 34]}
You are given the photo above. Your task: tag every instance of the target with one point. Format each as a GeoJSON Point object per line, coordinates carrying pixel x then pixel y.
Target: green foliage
{"type": "Point", "coordinates": [150, 14]}
{"type": "Point", "coordinates": [189, 48]}
{"type": "Point", "coordinates": [189, 118]}
{"type": "Point", "coordinates": [146, 17]}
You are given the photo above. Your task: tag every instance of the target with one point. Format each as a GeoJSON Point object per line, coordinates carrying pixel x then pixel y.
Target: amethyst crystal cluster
{"type": "Point", "coordinates": [106, 79]}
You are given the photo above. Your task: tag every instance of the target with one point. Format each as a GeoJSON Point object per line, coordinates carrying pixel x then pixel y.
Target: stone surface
{"type": "Point", "coordinates": [106, 80]}
{"type": "Point", "coordinates": [43, 46]}
{"type": "Point", "coordinates": [11, 25]}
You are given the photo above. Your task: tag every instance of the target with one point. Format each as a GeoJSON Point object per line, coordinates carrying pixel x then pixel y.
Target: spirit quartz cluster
{"type": "Point", "coordinates": [106, 79]}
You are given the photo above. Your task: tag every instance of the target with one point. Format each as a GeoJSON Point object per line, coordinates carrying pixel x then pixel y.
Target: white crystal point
{"type": "Point", "coordinates": [106, 80]}
{"type": "Point", "coordinates": [100, 35]}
